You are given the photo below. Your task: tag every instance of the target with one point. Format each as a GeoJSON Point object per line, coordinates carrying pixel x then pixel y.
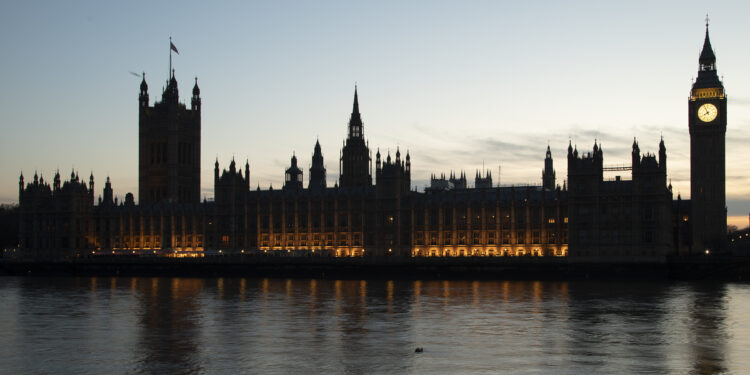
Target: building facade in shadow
{"type": "Point", "coordinates": [630, 217]}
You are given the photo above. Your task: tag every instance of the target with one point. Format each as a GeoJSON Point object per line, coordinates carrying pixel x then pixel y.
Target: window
{"type": "Point", "coordinates": [448, 238]}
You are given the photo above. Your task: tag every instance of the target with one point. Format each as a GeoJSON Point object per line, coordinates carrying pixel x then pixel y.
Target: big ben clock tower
{"type": "Point", "coordinates": [707, 112]}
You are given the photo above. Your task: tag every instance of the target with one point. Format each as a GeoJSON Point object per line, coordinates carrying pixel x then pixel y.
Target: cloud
{"type": "Point", "coordinates": [738, 206]}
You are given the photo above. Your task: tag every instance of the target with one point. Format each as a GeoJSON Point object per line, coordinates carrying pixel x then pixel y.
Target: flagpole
{"type": "Point", "coordinates": [170, 58]}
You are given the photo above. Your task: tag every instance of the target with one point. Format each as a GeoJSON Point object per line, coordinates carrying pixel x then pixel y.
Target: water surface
{"type": "Point", "coordinates": [280, 326]}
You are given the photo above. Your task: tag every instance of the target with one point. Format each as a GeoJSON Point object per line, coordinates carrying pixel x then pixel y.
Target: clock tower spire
{"type": "Point", "coordinates": [707, 121]}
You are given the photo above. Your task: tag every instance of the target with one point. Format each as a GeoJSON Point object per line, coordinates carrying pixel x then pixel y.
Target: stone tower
{"type": "Point", "coordinates": [169, 146]}
{"type": "Point", "coordinates": [317, 170]}
{"type": "Point", "coordinates": [707, 120]}
{"type": "Point", "coordinates": [548, 174]}
{"type": "Point", "coordinates": [293, 176]}
{"type": "Point", "coordinates": [355, 164]}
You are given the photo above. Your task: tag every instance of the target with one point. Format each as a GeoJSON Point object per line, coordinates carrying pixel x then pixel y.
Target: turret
{"type": "Point", "coordinates": [662, 155]}
{"type": "Point", "coordinates": [171, 93]}
{"type": "Point", "coordinates": [598, 155]}
{"type": "Point", "coordinates": [20, 188]}
{"type": "Point", "coordinates": [635, 155]}
{"type": "Point", "coordinates": [293, 176]}
{"type": "Point", "coordinates": [548, 173]}
{"type": "Point", "coordinates": [216, 172]}
{"type": "Point", "coordinates": [317, 170]}
{"type": "Point", "coordinates": [355, 122]}
{"type": "Point", "coordinates": [56, 181]}
{"type": "Point", "coordinates": [108, 195]}
{"type": "Point", "coordinates": [91, 187]}
{"type": "Point", "coordinates": [483, 180]}
{"type": "Point", "coordinates": [143, 97]}
{"type": "Point", "coordinates": [196, 101]}
{"type": "Point", "coordinates": [247, 173]}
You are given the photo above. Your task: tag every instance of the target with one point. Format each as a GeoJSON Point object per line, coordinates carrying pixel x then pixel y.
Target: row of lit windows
{"type": "Point", "coordinates": [461, 238]}
{"type": "Point", "coordinates": [155, 241]}
{"type": "Point", "coordinates": [314, 240]}
{"type": "Point", "coordinates": [507, 251]}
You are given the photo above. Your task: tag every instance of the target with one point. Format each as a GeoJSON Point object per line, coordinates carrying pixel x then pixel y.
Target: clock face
{"type": "Point", "coordinates": [707, 112]}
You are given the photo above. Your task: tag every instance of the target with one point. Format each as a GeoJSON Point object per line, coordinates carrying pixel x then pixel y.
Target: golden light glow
{"type": "Point", "coordinates": [707, 112]}
{"type": "Point", "coordinates": [706, 93]}
{"type": "Point", "coordinates": [541, 250]}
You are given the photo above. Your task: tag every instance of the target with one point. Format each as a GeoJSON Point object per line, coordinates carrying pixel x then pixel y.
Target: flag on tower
{"type": "Point", "coordinates": [171, 45]}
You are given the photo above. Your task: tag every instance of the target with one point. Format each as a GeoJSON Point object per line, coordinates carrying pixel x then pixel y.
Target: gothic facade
{"type": "Point", "coordinates": [169, 146]}
{"type": "Point", "coordinates": [707, 114]}
{"type": "Point", "coordinates": [592, 217]}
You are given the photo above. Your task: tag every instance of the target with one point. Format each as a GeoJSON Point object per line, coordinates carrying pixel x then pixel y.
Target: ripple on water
{"type": "Point", "coordinates": [229, 326]}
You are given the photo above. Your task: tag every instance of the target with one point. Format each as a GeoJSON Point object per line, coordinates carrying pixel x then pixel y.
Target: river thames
{"type": "Point", "coordinates": [139, 325]}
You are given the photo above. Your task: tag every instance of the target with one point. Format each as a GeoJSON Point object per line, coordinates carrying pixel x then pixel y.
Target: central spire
{"type": "Point", "coordinates": [707, 74]}
{"type": "Point", "coordinates": [707, 59]}
{"type": "Point", "coordinates": [355, 109]}
{"type": "Point", "coordinates": [355, 122]}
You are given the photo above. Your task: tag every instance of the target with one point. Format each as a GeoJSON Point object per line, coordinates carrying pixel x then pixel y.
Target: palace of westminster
{"type": "Point", "coordinates": [376, 213]}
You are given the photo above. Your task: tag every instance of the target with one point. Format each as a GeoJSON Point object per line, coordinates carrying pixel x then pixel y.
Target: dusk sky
{"type": "Point", "coordinates": [458, 84]}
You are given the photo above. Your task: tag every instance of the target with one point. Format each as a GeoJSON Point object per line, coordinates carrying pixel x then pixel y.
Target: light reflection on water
{"type": "Point", "coordinates": [235, 325]}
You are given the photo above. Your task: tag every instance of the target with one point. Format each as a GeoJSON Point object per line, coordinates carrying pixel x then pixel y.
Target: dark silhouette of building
{"type": "Point", "coordinates": [293, 176]}
{"type": "Point", "coordinates": [393, 226]}
{"type": "Point", "coordinates": [450, 183]}
{"type": "Point", "coordinates": [589, 218]}
{"type": "Point", "coordinates": [483, 181]}
{"type": "Point", "coordinates": [169, 145]}
{"type": "Point", "coordinates": [458, 182]}
{"type": "Point", "coordinates": [9, 226]}
{"type": "Point", "coordinates": [355, 163]}
{"type": "Point", "coordinates": [707, 114]}
{"type": "Point", "coordinates": [548, 174]}
{"type": "Point", "coordinates": [228, 226]}
{"type": "Point", "coordinates": [56, 220]}
{"type": "Point", "coordinates": [317, 170]}
{"type": "Point", "coordinates": [438, 183]}
{"type": "Point", "coordinates": [618, 219]}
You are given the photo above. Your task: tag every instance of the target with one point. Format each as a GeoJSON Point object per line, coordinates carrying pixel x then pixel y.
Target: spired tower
{"type": "Point", "coordinates": [707, 120]}
{"type": "Point", "coordinates": [548, 174]}
{"type": "Point", "coordinates": [317, 170]}
{"type": "Point", "coordinates": [169, 146]}
{"type": "Point", "coordinates": [293, 176]}
{"type": "Point", "coordinates": [356, 164]}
